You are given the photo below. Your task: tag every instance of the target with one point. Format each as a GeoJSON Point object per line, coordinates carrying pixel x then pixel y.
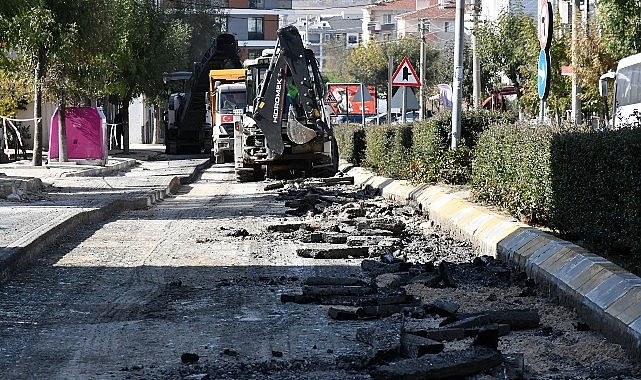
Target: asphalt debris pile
{"type": "Point", "coordinates": [342, 222]}
{"type": "Point", "coordinates": [398, 254]}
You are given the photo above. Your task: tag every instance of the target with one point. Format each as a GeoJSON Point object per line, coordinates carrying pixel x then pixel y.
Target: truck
{"type": "Point", "coordinates": [285, 129]}
{"type": "Point", "coordinates": [626, 105]}
{"type": "Point", "coordinates": [186, 130]}
{"type": "Point", "coordinates": [226, 93]}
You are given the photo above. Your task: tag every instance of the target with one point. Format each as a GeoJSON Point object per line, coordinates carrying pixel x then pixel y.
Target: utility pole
{"type": "Point", "coordinates": [576, 88]}
{"type": "Point", "coordinates": [458, 73]}
{"type": "Point", "coordinates": [421, 105]}
{"type": "Point", "coordinates": [390, 72]}
{"type": "Point", "coordinates": [475, 60]}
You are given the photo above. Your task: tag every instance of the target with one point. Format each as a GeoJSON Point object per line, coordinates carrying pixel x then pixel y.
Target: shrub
{"type": "Point", "coordinates": [351, 142]}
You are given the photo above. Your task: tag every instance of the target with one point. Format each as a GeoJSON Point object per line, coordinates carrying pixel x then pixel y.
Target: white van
{"type": "Point", "coordinates": [626, 109]}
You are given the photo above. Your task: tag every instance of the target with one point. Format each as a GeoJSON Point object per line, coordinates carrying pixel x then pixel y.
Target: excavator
{"type": "Point", "coordinates": [284, 130]}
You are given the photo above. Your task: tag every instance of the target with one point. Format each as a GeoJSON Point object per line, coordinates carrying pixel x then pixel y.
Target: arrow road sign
{"type": "Point", "coordinates": [405, 75]}
{"type": "Point", "coordinates": [543, 74]}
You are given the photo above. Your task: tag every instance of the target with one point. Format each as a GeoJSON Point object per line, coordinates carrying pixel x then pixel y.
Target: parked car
{"type": "Point", "coordinates": [381, 118]}
{"type": "Point", "coordinates": [410, 117]}
{"type": "Point", "coordinates": [352, 118]}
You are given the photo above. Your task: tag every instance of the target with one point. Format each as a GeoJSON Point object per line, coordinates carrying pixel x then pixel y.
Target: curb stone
{"type": "Point", "coordinates": [605, 295]}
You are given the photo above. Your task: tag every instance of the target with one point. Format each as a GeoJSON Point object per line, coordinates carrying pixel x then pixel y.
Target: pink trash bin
{"type": "Point", "coordinates": [86, 129]}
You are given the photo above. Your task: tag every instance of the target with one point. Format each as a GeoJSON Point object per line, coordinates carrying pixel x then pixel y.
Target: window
{"type": "Point", "coordinates": [388, 19]}
{"type": "Point", "coordinates": [256, 4]}
{"type": "Point", "coordinates": [313, 38]}
{"type": "Point", "coordinates": [628, 85]}
{"type": "Point", "coordinates": [255, 28]}
{"type": "Point", "coordinates": [352, 39]}
{"type": "Point", "coordinates": [447, 27]}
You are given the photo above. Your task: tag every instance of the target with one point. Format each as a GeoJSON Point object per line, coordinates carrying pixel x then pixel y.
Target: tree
{"type": "Point", "coordinates": [149, 44]}
{"type": "Point", "coordinates": [594, 60]}
{"type": "Point", "coordinates": [443, 68]}
{"type": "Point", "coordinates": [509, 47]}
{"type": "Point", "coordinates": [620, 23]}
{"type": "Point", "coordinates": [368, 63]}
{"type": "Point", "coordinates": [46, 36]}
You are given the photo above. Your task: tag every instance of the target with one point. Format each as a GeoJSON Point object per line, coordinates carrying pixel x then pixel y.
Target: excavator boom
{"type": "Point", "coordinates": [292, 90]}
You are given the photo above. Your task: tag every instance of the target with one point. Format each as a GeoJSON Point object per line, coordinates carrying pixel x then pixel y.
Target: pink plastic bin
{"type": "Point", "coordinates": [86, 135]}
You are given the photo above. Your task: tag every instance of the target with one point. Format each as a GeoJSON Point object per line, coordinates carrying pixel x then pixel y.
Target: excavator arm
{"type": "Point", "coordinates": [289, 91]}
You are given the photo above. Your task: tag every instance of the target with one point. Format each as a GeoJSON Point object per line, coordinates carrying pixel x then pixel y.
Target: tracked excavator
{"type": "Point", "coordinates": [284, 130]}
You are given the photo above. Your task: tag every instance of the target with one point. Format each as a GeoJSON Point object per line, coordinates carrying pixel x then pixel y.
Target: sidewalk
{"type": "Point", "coordinates": [39, 205]}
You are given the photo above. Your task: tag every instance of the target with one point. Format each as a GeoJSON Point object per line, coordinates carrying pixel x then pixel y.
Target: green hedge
{"type": "Point", "coordinates": [581, 183]}
{"type": "Point", "coordinates": [586, 185]}
{"type": "Point", "coordinates": [511, 169]}
{"type": "Point", "coordinates": [597, 187]}
{"type": "Point", "coordinates": [351, 142]}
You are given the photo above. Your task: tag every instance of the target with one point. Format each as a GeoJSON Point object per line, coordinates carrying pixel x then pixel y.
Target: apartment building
{"type": "Point", "coordinates": [379, 19]}
{"type": "Point", "coordinates": [253, 22]}
{"type": "Point", "coordinates": [437, 18]}
{"type": "Point", "coordinates": [324, 34]}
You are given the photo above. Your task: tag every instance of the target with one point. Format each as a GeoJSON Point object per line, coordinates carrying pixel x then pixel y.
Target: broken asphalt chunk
{"type": "Point", "coordinates": [387, 224]}
{"type": "Point", "coordinates": [517, 319]}
{"type": "Point", "coordinates": [331, 251]}
{"type": "Point", "coordinates": [450, 364]}
{"type": "Point", "coordinates": [331, 290]}
{"type": "Point", "coordinates": [346, 281]}
{"type": "Point", "coordinates": [415, 346]}
{"type": "Point", "coordinates": [286, 227]}
{"type": "Point", "coordinates": [189, 358]}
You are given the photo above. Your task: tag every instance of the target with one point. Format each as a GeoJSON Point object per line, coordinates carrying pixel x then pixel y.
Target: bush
{"type": "Point", "coordinates": [597, 187]}
{"type": "Point", "coordinates": [511, 170]}
{"type": "Point", "coordinates": [351, 142]}
{"type": "Point", "coordinates": [378, 147]}
{"type": "Point", "coordinates": [584, 184]}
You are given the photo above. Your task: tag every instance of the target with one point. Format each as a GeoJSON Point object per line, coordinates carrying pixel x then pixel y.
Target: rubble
{"type": "Point", "coordinates": [415, 338]}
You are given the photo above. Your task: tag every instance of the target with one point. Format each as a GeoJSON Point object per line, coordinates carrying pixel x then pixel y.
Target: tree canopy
{"type": "Point", "coordinates": [89, 49]}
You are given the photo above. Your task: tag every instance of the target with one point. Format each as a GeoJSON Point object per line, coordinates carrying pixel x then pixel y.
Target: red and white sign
{"type": "Point", "coordinates": [405, 75]}
{"type": "Point", "coordinates": [545, 19]}
{"type": "Point", "coordinates": [226, 118]}
{"type": "Point", "coordinates": [567, 70]}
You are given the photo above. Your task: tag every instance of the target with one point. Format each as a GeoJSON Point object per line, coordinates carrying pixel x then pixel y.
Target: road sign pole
{"type": "Point", "coordinates": [390, 68]}
{"type": "Point", "coordinates": [404, 103]}
{"type": "Point", "coordinates": [542, 111]}
{"type": "Point", "coordinates": [458, 73]}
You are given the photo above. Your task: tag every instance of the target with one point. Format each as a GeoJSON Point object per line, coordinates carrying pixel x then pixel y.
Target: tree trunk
{"type": "Point", "coordinates": [62, 126]}
{"type": "Point", "coordinates": [37, 110]}
{"type": "Point", "coordinates": [125, 122]}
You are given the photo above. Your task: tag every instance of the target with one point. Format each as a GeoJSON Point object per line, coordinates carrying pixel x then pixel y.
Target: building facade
{"type": "Point", "coordinates": [325, 34]}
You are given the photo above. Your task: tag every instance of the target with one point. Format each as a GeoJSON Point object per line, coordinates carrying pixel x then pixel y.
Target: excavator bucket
{"type": "Point", "coordinates": [296, 131]}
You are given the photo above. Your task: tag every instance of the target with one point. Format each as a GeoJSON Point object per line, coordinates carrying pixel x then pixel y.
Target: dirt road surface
{"type": "Point", "coordinates": [191, 289]}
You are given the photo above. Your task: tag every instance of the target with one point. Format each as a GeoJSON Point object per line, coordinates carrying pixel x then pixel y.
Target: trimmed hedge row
{"type": "Point", "coordinates": [585, 184]}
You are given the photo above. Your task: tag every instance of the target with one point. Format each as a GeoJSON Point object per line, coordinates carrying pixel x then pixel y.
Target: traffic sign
{"type": "Point", "coordinates": [543, 74]}
{"type": "Point", "coordinates": [405, 75]}
{"type": "Point", "coordinates": [329, 98]}
{"type": "Point", "coordinates": [545, 24]}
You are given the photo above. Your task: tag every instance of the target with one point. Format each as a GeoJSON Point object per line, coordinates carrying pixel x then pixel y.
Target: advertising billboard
{"type": "Point", "coordinates": [346, 98]}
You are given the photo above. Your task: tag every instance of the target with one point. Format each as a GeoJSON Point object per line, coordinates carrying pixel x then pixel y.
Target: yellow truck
{"type": "Point", "coordinates": [226, 93]}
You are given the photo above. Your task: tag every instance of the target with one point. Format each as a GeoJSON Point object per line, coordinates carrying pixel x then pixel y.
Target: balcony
{"type": "Point", "coordinates": [388, 27]}
{"type": "Point", "coordinates": [278, 4]}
